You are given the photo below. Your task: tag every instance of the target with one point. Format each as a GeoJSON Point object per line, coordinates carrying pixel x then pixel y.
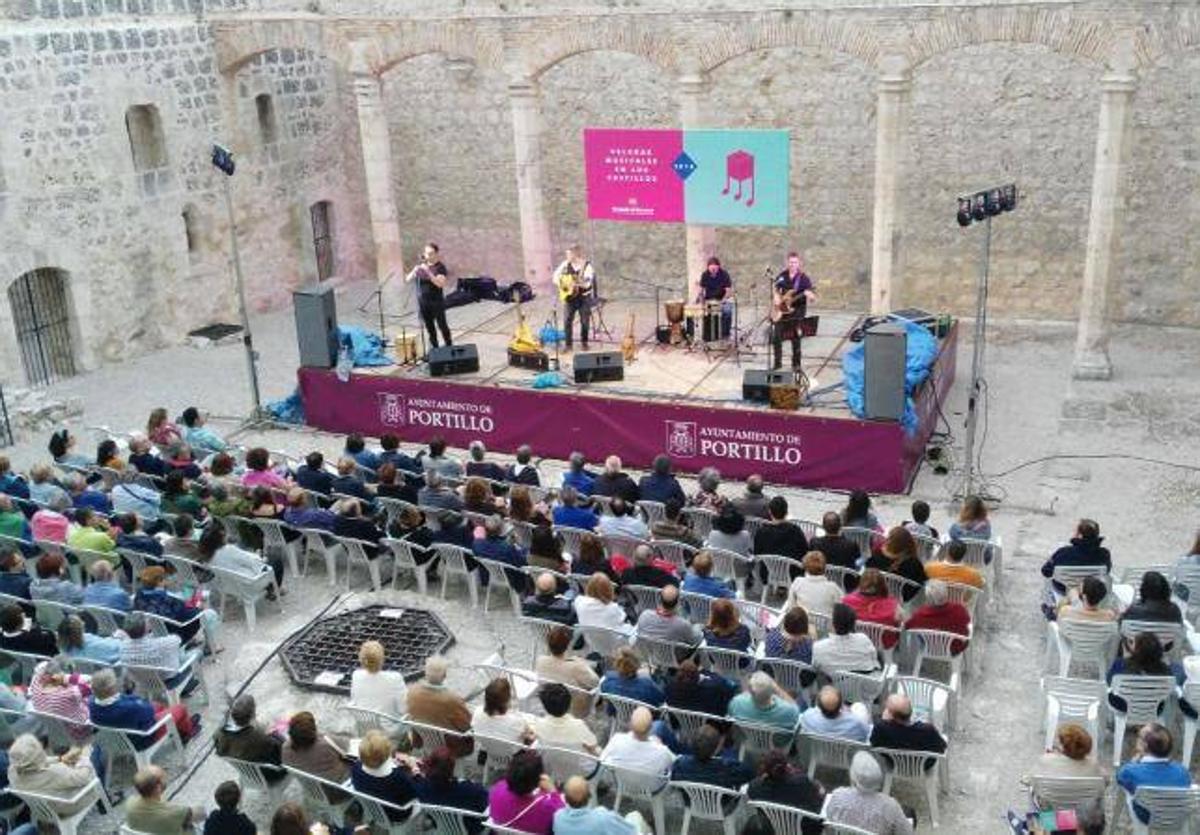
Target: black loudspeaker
{"type": "Point", "coordinates": [884, 360]}
{"type": "Point", "coordinates": [316, 326]}
{"type": "Point", "coordinates": [453, 359]}
{"type": "Point", "coordinates": [756, 383]}
{"type": "Point", "coordinates": [599, 366]}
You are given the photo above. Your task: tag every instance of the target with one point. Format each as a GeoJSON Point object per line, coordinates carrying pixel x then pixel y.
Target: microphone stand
{"type": "Point", "coordinates": [377, 295]}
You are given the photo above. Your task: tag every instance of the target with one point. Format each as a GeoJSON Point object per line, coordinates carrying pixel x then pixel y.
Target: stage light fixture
{"type": "Point", "coordinates": [1008, 197]}
{"type": "Point", "coordinates": [964, 211]}
{"type": "Point", "coordinates": [978, 210]}
{"type": "Point", "coordinates": [991, 202]}
{"type": "Point", "coordinates": [986, 203]}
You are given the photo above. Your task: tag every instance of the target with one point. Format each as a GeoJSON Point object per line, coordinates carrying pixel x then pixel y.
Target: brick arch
{"type": "Point", "coordinates": [395, 44]}
{"type": "Point", "coordinates": [238, 43]}
{"type": "Point", "coordinates": [1054, 29]}
{"type": "Point", "coordinates": [824, 32]}
{"type": "Point", "coordinates": [549, 47]}
{"type": "Point", "coordinates": [1178, 34]}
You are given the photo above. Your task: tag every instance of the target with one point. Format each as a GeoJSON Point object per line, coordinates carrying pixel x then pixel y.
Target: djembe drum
{"type": "Point", "coordinates": [674, 313]}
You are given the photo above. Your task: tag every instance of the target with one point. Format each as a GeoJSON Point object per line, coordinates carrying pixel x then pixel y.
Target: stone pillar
{"type": "Point", "coordinates": [377, 165]}
{"type": "Point", "coordinates": [891, 117]}
{"type": "Point", "coordinates": [536, 253]}
{"type": "Point", "coordinates": [701, 240]}
{"type": "Point", "coordinates": [1112, 152]}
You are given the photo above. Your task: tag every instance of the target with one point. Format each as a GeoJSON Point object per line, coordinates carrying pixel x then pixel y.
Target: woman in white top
{"type": "Point", "coordinates": [596, 607]}
{"type": "Point", "coordinates": [812, 590]}
{"type": "Point", "coordinates": [378, 689]}
{"type": "Point", "coordinates": [493, 718]}
{"type": "Point", "coordinates": [729, 532]}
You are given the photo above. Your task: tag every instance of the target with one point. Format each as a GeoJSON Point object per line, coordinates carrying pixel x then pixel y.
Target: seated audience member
{"type": "Point", "coordinates": [899, 557]}
{"type": "Point", "coordinates": [547, 603]}
{"type": "Point", "coordinates": [1146, 658]}
{"type": "Point", "coordinates": [729, 532]}
{"type": "Point", "coordinates": [1187, 563]}
{"type": "Point", "coordinates": [830, 716]}
{"type": "Point", "coordinates": [104, 590]}
{"type": "Point", "coordinates": [708, 496]}
{"type": "Point", "coordinates": [858, 514]}
{"type": "Point", "coordinates": [660, 485]}
{"type": "Point", "coordinates": [31, 769]}
{"type": "Point", "coordinates": [390, 453]}
{"type": "Point", "coordinates": [160, 429]}
{"type": "Point", "coordinates": [495, 545]}
{"type": "Point", "coordinates": [523, 471]}
{"type": "Point", "coordinates": [299, 514]}
{"type": "Point", "coordinates": [1070, 755]}
{"type": "Point", "coordinates": [638, 749]}
{"type": "Point", "coordinates": [1085, 549]}
{"type": "Point", "coordinates": [91, 532]}
{"type": "Point", "coordinates": [644, 572]}
{"type": "Point", "coordinates": [625, 679]}
{"type": "Point", "coordinates": [478, 465]}
{"type": "Point", "coordinates": [454, 529]}
{"type": "Point", "coordinates": [778, 781]}
{"type": "Point", "coordinates": [259, 472]}
{"type": "Point", "coordinates": [42, 488]}
{"type": "Point", "coordinates": [435, 460]}
{"type": "Point", "coordinates": [871, 603]}
{"type": "Point", "coordinates": [431, 702]}
{"type": "Point", "coordinates": [525, 799]}
{"type": "Point", "coordinates": [1151, 765]}
{"type": "Point", "coordinates": [813, 590]}
{"type": "Point", "coordinates": [142, 459]}
{"type": "Point", "coordinates": [52, 583]}
{"type": "Point", "coordinates": [437, 786]}
{"type": "Point", "coordinates": [972, 522]}
{"type": "Point", "coordinates": [198, 436]}
{"type": "Point", "coordinates": [1153, 602]}
{"type": "Point", "coordinates": [312, 475]}
{"type": "Point", "coordinates": [75, 642]}
{"type": "Point", "coordinates": [578, 476]}
{"type": "Point", "coordinates": [664, 623]}
{"type": "Point", "coordinates": [578, 818]}
{"type": "Point", "coordinates": [352, 524]}
{"type": "Point", "coordinates": [114, 709]}
{"type": "Point", "coordinates": [703, 691]}
{"type": "Point", "coordinates": [49, 524]}
{"type": "Point", "coordinates": [567, 669]}
{"type": "Point", "coordinates": [84, 496]}
{"type": "Point", "coordinates": [183, 542]}
{"type": "Point", "coordinates": [863, 804]}
{"type": "Point", "coordinates": [561, 727]}
{"type": "Point", "coordinates": [437, 493]}
{"type": "Point", "coordinates": [243, 739]}
{"type": "Point", "coordinates": [478, 498]}
{"type": "Point", "coordinates": [779, 536]}
{"type": "Point", "coordinates": [221, 472]}
{"type": "Point", "coordinates": [377, 689]}
{"type": "Point", "coordinates": [62, 449]}
{"type": "Point", "coordinates": [64, 695]}
{"type": "Point", "coordinates": [14, 579]}
{"type": "Point", "coordinates": [699, 579]}
{"type": "Point", "coordinates": [13, 523]}
{"type": "Point", "coordinates": [223, 503]}
{"type": "Point", "coordinates": [545, 550]}
{"type": "Point", "coordinates": [131, 536]}
{"type": "Point", "coordinates": [950, 568]}
{"type": "Point", "coordinates": [410, 526]}
{"type": "Point", "coordinates": [570, 512]}
{"type": "Point", "coordinates": [392, 485]}
{"type": "Point", "coordinates": [178, 498]}
{"type": "Point", "coordinates": [178, 457]}
{"type": "Point", "coordinates": [591, 559]}
{"type": "Point", "coordinates": [838, 550]}
{"type": "Point", "coordinates": [845, 649]}
{"type": "Point", "coordinates": [380, 774]}
{"type": "Point", "coordinates": [673, 526]}
{"type": "Point", "coordinates": [356, 450]}
{"type": "Point", "coordinates": [153, 597]}
{"type": "Point", "coordinates": [495, 718]}
{"type": "Point", "coordinates": [522, 508]}
{"type": "Point", "coordinates": [108, 456]}
{"type": "Point", "coordinates": [765, 703]}
{"type": "Point", "coordinates": [941, 613]}
{"type": "Point", "coordinates": [12, 484]}
{"type": "Point", "coordinates": [19, 634]}
{"type": "Point", "coordinates": [623, 519]}
{"type": "Point", "coordinates": [706, 763]}
{"type": "Point", "coordinates": [597, 607]}
{"type": "Point", "coordinates": [139, 648]}
{"type": "Point", "coordinates": [725, 629]}
{"type": "Point", "coordinates": [613, 482]}
{"type": "Point", "coordinates": [148, 811]}
{"type": "Point", "coordinates": [1086, 602]}
{"type": "Point", "coordinates": [920, 520]}
{"type": "Point", "coordinates": [896, 729]}
{"type": "Point", "coordinates": [752, 502]}
{"type": "Point", "coordinates": [227, 819]}
{"type": "Point", "coordinates": [310, 752]}
{"type": "Point", "coordinates": [349, 483]}
{"type": "Point", "coordinates": [790, 639]}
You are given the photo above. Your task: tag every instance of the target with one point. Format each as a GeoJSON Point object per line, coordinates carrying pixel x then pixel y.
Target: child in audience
{"type": "Point", "coordinates": [920, 520]}
{"type": "Point", "coordinates": [227, 820]}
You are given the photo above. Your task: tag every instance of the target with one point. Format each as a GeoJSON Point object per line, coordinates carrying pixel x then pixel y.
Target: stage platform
{"type": "Point", "coordinates": [685, 403]}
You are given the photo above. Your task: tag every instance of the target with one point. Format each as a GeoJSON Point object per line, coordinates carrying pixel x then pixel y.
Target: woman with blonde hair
{"type": "Point", "coordinates": [725, 629]}
{"type": "Point", "coordinates": [972, 520]}
{"type": "Point", "coordinates": [377, 689]}
{"type": "Point", "coordinates": [161, 431]}
{"type": "Point", "coordinates": [597, 607]}
{"type": "Point", "coordinates": [625, 679]}
{"type": "Point", "coordinates": [380, 774]}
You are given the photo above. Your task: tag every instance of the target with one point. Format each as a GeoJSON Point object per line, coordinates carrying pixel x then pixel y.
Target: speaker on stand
{"type": "Point", "coordinates": [884, 364]}
{"type": "Point", "coordinates": [316, 326]}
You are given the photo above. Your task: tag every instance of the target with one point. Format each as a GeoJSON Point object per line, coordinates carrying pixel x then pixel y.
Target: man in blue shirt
{"type": "Point", "coordinates": [479, 466]}
{"type": "Point", "coordinates": [311, 475]}
{"type": "Point", "coordinates": [104, 590]}
{"type": "Point", "coordinates": [10, 482]}
{"type": "Point", "coordinates": [699, 581]}
{"type": "Point", "coordinates": [356, 448]}
{"type": "Point", "coordinates": [579, 476]}
{"type": "Point", "coordinates": [199, 437]}
{"type": "Point", "coordinates": [577, 818]}
{"type": "Point", "coordinates": [1152, 766]}
{"type": "Point", "coordinates": [495, 546]}
{"type": "Point", "coordinates": [660, 485]}
{"type": "Point", "coordinates": [568, 513]}
{"type": "Point", "coordinates": [348, 482]}
{"type": "Point", "coordinates": [830, 716]}
{"type": "Point", "coordinates": [765, 703]}
{"type": "Point", "coordinates": [82, 496]}
{"type": "Point", "coordinates": [133, 538]}
{"type": "Point", "coordinates": [130, 497]}
{"type": "Point", "coordinates": [14, 579]}
{"type": "Point", "coordinates": [703, 765]}
{"type": "Point", "coordinates": [391, 454]}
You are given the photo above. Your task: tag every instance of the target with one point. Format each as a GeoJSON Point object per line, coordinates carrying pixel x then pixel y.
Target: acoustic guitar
{"type": "Point", "coordinates": [629, 343]}
{"type": "Point", "coordinates": [784, 305]}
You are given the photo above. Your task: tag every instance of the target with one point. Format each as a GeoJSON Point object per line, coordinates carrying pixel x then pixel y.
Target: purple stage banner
{"type": "Point", "coordinates": [784, 447]}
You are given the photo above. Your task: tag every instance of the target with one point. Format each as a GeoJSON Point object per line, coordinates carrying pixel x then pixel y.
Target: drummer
{"type": "Point", "coordinates": [717, 286]}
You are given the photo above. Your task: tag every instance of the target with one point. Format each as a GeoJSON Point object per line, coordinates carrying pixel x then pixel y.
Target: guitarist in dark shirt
{"type": "Point", "coordinates": [790, 295]}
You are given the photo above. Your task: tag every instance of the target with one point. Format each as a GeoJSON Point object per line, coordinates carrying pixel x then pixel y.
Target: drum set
{"type": "Point", "coordinates": [699, 324]}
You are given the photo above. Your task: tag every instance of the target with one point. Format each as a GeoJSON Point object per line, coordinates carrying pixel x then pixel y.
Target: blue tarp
{"type": "Point", "coordinates": [921, 353]}
{"type": "Point", "coordinates": [366, 348]}
{"type": "Point", "coordinates": [287, 410]}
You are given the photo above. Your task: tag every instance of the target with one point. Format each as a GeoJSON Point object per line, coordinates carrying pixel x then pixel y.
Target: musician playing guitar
{"type": "Point", "coordinates": [576, 283]}
{"type": "Point", "coordinates": [790, 295]}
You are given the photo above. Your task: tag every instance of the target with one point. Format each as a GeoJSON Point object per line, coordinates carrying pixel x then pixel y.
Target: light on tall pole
{"type": "Point", "coordinates": [222, 160]}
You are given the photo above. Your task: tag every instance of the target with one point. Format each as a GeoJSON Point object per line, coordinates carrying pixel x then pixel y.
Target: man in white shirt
{"type": "Point", "coordinates": [812, 590]}
{"type": "Point", "coordinates": [845, 649]}
{"type": "Point", "coordinates": [637, 750]}
{"type": "Point", "coordinates": [622, 520]}
{"type": "Point", "coordinates": [596, 607]}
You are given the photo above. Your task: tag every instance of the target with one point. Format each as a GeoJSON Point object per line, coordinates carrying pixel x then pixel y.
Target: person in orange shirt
{"type": "Point", "coordinates": [950, 568]}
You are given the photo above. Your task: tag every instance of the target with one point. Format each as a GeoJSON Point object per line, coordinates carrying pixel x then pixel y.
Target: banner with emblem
{"type": "Point", "coordinates": [707, 177]}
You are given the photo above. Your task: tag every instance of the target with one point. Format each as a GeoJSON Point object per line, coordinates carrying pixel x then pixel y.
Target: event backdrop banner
{"type": "Point", "coordinates": [708, 177]}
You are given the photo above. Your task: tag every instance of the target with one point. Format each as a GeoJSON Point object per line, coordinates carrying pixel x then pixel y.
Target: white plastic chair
{"type": "Point", "coordinates": [563, 763]}
{"type": "Point", "coordinates": [910, 767]}
{"type": "Point", "coordinates": [706, 802]}
{"type": "Point", "coordinates": [1082, 641]}
{"type": "Point", "coordinates": [839, 574]}
{"type": "Point", "coordinates": [931, 700]}
{"type": "Point", "coordinates": [655, 511]}
{"type": "Point", "coordinates": [934, 645]}
{"type": "Point", "coordinates": [404, 558]}
{"type": "Point", "coordinates": [376, 813]}
{"type": "Point", "coordinates": [829, 751]}
{"type": "Point", "coordinates": [621, 544]}
{"type": "Point", "coordinates": [1171, 809]}
{"type": "Point", "coordinates": [790, 674]}
{"type": "Point", "coordinates": [605, 641]}
{"type": "Point", "coordinates": [1143, 696]}
{"type": "Point", "coordinates": [122, 742]}
{"type": "Point", "coordinates": [571, 538]}
{"type": "Point", "coordinates": [497, 753]}
{"type": "Point", "coordinates": [779, 573]}
{"type": "Point", "coordinates": [680, 554]}
{"type": "Point", "coordinates": [687, 722]}
{"type": "Point", "coordinates": [42, 807]}
{"type": "Point", "coordinates": [1191, 694]}
{"type": "Point", "coordinates": [729, 663]}
{"type": "Point", "coordinates": [274, 542]}
{"type": "Point", "coordinates": [356, 552]}
{"type": "Point", "coordinates": [861, 687]}
{"type": "Point", "coordinates": [246, 590]}
{"type": "Point", "coordinates": [497, 577]}
{"type": "Point", "coordinates": [1170, 635]}
{"type": "Point", "coordinates": [319, 794]}
{"type": "Point", "coordinates": [730, 565]}
{"type": "Point", "coordinates": [1076, 701]}
{"type": "Point", "coordinates": [621, 708]}
{"type": "Point", "coordinates": [758, 739]}
{"type": "Point", "coordinates": [881, 634]}
{"type": "Point", "coordinates": [862, 537]}
{"type": "Point", "coordinates": [696, 606]}
{"type": "Point", "coordinates": [640, 785]}
{"type": "Point", "coordinates": [540, 630]}
{"type": "Point", "coordinates": [901, 588]}
{"type": "Point", "coordinates": [784, 820]}
{"type": "Point", "coordinates": [662, 655]}
{"type": "Point", "coordinates": [645, 597]}
{"type": "Point", "coordinates": [927, 547]}
{"type": "Point", "coordinates": [367, 719]}
{"type": "Point", "coordinates": [1065, 792]}
{"type": "Point", "coordinates": [700, 520]}
{"type": "Point", "coordinates": [324, 544]}
{"type": "Point", "coordinates": [253, 776]}
{"type": "Point", "coordinates": [448, 820]}
{"type": "Point", "coordinates": [432, 737]}
{"type": "Point", "coordinates": [454, 563]}
{"type": "Point", "coordinates": [758, 617]}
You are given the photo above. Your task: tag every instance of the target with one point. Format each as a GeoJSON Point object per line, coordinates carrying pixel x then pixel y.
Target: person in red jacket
{"type": "Point", "coordinates": [942, 614]}
{"type": "Point", "coordinates": [871, 603]}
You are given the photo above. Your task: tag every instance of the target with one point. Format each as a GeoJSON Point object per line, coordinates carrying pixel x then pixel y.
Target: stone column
{"type": "Point", "coordinates": [891, 117]}
{"type": "Point", "coordinates": [701, 240]}
{"type": "Point", "coordinates": [536, 253]}
{"type": "Point", "coordinates": [1112, 152]}
{"type": "Point", "coordinates": [377, 165]}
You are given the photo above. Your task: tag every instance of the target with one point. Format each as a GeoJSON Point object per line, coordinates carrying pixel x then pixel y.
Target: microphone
{"type": "Point", "coordinates": [769, 270]}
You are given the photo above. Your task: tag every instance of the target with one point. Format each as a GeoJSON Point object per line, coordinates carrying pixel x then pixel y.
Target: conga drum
{"type": "Point", "coordinates": [674, 313]}
{"type": "Point", "coordinates": [692, 314]}
{"type": "Point", "coordinates": [712, 321]}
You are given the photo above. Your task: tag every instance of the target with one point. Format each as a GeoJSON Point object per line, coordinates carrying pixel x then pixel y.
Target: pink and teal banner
{"type": "Point", "coordinates": [705, 177]}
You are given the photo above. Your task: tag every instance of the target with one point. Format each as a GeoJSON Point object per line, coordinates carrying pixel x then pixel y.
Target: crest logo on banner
{"type": "Point", "coordinates": [681, 438]}
{"type": "Point", "coordinates": [391, 409]}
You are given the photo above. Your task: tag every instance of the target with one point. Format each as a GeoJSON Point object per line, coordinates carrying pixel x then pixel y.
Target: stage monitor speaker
{"type": "Point", "coordinates": [453, 359]}
{"type": "Point", "coordinates": [885, 351]}
{"type": "Point", "coordinates": [316, 326]}
{"type": "Point", "coordinates": [599, 366]}
{"type": "Point", "coordinates": [756, 383]}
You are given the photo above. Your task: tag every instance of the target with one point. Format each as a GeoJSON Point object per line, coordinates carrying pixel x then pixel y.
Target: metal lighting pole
{"type": "Point", "coordinates": [223, 160]}
{"type": "Point", "coordinates": [981, 295]}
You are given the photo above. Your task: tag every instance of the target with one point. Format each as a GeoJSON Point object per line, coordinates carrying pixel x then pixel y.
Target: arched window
{"type": "Point", "coordinates": [191, 229]}
{"type": "Point", "coordinates": [268, 129]}
{"type": "Point", "coordinates": [146, 141]}
{"type": "Point", "coordinates": [322, 225]}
